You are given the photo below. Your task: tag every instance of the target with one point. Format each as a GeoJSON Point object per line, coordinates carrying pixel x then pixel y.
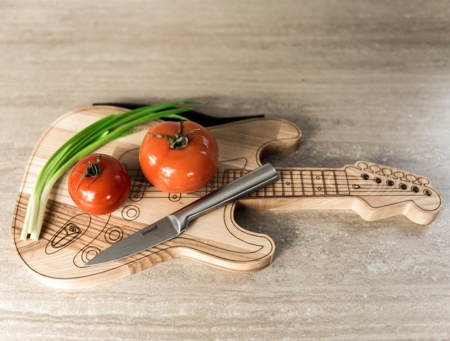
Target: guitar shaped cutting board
{"type": "Point", "coordinates": [70, 237]}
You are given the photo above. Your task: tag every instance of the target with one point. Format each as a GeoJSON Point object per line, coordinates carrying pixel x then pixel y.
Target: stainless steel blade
{"type": "Point", "coordinates": [174, 224]}
{"type": "Point", "coordinates": [152, 235]}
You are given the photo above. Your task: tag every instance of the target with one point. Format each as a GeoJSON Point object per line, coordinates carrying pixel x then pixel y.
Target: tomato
{"type": "Point", "coordinates": [178, 157]}
{"type": "Point", "coordinates": [99, 184]}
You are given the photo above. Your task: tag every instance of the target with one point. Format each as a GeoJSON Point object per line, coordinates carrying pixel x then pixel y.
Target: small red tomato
{"type": "Point", "coordinates": [178, 157]}
{"type": "Point", "coordinates": [99, 184]}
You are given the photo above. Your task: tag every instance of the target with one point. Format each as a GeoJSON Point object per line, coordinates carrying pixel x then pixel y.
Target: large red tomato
{"type": "Point", "coordinates": [178, 157]}
{"type": "Point", "coordinates": [99, 184]}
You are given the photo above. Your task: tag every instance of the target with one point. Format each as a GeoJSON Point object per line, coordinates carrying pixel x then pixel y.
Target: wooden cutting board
{"type": "Point", "coordinates": [70, 237]}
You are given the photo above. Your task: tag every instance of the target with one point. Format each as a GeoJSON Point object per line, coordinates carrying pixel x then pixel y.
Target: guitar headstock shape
{"type": "Point", "coordinates": [389, 189]}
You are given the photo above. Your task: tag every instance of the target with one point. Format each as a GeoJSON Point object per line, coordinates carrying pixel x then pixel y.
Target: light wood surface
{"type": "Point", "coordinates": [70, 237]}
{"type": "Point", "coordinates": [363, 80]}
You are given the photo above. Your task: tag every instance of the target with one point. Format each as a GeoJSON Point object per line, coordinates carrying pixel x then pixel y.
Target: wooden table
{"type": "Point", "coordinates": [364, 80]}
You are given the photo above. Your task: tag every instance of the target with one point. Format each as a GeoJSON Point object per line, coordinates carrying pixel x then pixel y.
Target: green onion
{"type": "Point", "coordinates": [84, 143]}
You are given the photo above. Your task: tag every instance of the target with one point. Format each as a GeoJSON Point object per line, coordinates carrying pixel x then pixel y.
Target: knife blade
{"type": "Point", "coordinates": [176, 223]}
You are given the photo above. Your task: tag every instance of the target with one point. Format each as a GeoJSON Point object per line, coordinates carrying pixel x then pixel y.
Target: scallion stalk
{"type": "Point", "coordinates": [83, 143]}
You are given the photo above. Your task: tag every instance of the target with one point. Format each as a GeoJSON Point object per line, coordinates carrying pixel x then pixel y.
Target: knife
{"type": "Point", "coordinates": [196, 116]}
{"type": "Point", "coordinates": [176, 223]}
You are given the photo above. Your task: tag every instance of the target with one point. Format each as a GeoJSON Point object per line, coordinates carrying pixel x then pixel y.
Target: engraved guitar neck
{"type": "Point", "coordinates": [373, 191]}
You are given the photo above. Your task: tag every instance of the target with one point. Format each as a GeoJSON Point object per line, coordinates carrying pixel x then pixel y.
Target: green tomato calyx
{"type": "Point", "coordinates": [92, 170]}
{"type": "Point", "coordinates": [179, 140]}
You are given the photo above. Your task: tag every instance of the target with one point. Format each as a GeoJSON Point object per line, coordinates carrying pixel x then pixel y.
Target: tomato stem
{"type": "Point", "coordinates": [92, 170]}
{"type": "Point", "coordinates": [180, 140]}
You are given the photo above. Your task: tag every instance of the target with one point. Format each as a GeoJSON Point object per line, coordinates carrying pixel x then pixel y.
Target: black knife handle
{"type": "Point", "coordinates": [198, 117]}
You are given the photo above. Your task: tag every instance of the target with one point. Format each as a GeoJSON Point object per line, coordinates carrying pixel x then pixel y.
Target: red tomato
{"type": "Point", "coordinates": [178, 168]}
{"type": "Point", "coordinates": [99, 184]}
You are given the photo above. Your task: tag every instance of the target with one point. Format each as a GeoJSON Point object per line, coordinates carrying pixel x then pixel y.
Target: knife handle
{"type": "Point", "coordinates": [237, 189]}
{"type": "Point", "coordinates": [196, 116]}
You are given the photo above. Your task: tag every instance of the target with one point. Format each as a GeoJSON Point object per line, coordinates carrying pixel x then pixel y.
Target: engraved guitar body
{"type": "Point", "coordinates": [70, 237]}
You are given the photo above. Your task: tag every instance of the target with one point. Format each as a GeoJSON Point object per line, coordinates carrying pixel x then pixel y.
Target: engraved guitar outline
{"type": "Point", "coordinates": [72, 237]}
